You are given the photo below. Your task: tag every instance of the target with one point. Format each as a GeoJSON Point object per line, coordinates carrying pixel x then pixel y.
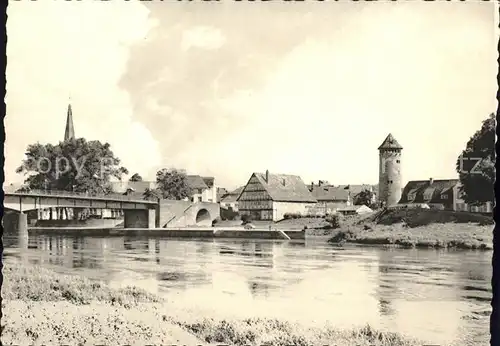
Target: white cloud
{"type": "Point", "coordinates": [78, 49]}
{"type": "Point", "coordinates": [202, 37]}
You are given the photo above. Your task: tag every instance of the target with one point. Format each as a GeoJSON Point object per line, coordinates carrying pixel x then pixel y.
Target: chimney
{"type": "Point", "coordinates": [320, 182]}
{"type": "Point", "coordinates": [283, 181]}
{"type": "Point", "coordinates": [431, 181]}
{"type": "Point", "coordinates": [267, 176]}
{"type": "Point", "coordinates": [312, 185]}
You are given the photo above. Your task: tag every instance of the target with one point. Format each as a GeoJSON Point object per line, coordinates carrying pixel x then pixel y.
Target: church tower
{"type": "Point", "coordinates": [389, 181]}
{"type": "Point", "coordinates": [70, 130]}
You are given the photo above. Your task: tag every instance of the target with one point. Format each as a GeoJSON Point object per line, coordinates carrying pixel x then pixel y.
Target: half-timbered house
{"type": "Point", "coordinates": [270, 196]}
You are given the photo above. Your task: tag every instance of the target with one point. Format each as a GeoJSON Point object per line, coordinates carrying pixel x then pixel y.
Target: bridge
{"type": "Point", "coordinates": [138, 213]}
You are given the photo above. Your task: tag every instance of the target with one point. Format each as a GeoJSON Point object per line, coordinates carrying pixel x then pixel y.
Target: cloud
{"type": "Point", "coordinates": [227, 89]}
{"type": "Point", "coordinates": [291, 90]}
{"type": "Point", "coordinates": [202, 37]}
{"type": "Point", "coordinates": [78, 49]}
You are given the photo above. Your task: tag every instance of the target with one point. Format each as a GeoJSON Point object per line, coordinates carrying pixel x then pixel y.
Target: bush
{"type": "Point", "coordinates": [292, 216]}
{"type": "Point", "coordinates": [334, 220]}
{"type": "Point", "coordinates": [246, 219]}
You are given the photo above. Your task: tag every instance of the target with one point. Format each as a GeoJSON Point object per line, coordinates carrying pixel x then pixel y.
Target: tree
{"type": "Point", "coordinates": [75, 165]}
{"type": "Point", "coordinates": [365, 197]}
{"type": "Point", "coordinates": [173, 184]}
{"type": "Point", "coordinates": [152, 194]}
{"type": "Point", "coordinates": [135, 177]}
{"type": "Point", "coordinates": [476, 165]}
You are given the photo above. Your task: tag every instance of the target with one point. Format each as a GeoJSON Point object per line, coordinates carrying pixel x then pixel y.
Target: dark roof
{"type": "Point", "coordinates": [390, 143]}
{"type": "Point", "coordinates": [339, 192]}
{"type": "Point", "coordinates": [285, 188]}
{"type": "Point", "coordinates": [233, 195]}
{"type": "Point", "coordinates": [209, 181]}
{"type": "Point", "coordinates": [221, 192]}
{"type": "Point", "coordinates": [196, 182]}
{"type": "Point", "coordinates": [137, 186]}
{"type": "Point", "coordinates": [422, 187]}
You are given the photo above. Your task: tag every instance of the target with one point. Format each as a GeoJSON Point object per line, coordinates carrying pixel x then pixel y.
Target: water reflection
{"type": "Point", "coordinates": [437, 296]}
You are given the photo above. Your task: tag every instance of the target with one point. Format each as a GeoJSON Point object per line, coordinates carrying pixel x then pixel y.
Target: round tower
{"type": "Point", "coordinates": [390, 183]}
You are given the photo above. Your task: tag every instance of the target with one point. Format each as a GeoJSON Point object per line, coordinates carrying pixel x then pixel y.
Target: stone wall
{"type": "Point", "coordinates": [282, 208]}
{"type": "Point", "coordinates": [184, 214]}
{"type": "Point", "coordinates": [390, 179]}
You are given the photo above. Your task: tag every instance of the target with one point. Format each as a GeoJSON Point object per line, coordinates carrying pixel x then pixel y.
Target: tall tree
{"type": "Point", "coordinates": [135, 177]}
{"type": "Point", "coordinates": [476, 165]}
{"type": "Point", "coordinates": [173, 184]}
{"type": "Point", "coordinates": [152, 194]}
{"type": "Point", "coordinates": [74, 165]}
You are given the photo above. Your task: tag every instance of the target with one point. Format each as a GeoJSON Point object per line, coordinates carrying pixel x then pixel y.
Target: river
{"type": "Point", "coordinates": [440, 297]}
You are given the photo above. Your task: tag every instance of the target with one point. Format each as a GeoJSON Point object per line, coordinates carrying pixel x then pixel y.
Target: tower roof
{"type": "Point", "coordinates": [70, 130]}
{"type": "Point", "coordinates": [390, 143]}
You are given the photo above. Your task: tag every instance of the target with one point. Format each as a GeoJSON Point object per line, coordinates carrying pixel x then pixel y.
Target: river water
{"type": "Point", "coordinates": [440, 297]}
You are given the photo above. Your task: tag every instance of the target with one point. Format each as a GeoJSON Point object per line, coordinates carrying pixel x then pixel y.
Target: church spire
{"type": "Point", "coordinates": [70, 130]}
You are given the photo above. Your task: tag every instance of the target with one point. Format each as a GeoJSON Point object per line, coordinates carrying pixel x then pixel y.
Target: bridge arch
{"type": "Point", "coordinates": [203, 217]}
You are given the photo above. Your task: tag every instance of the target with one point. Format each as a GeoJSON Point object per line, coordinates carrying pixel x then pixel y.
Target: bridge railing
{"type": "Point", "coordinates": [62, 193]}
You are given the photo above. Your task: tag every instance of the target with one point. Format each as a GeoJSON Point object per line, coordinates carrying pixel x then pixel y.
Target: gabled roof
{"type": "Point", "coordinates": [339, 192]}
{"type": "Point", "coordinates": [232, 196]}
{"type": "Point", "coordinates": [390, 143]}
{"type": "Point", "coordinates": [421, 188]}
{"type": "Point", "coordinates": [285, 188]}
{"type": "Point", "coordinates": [209, 181]}
{"type": "Point", "coordinates": [196, 182]}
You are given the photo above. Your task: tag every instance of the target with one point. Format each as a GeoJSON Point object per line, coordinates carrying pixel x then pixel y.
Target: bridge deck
{"type": "Point", "coordinates": [81, 196]}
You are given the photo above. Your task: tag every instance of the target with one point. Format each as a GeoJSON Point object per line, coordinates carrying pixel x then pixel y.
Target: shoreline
{"type": "Point", "coordinates": [43, 307]}
{"type": "Point", "coordinates": [435, 236]}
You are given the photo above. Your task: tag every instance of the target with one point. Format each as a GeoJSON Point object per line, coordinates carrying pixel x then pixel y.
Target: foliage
{"type": "Point", "coordinates": [216, 221]}
{"type": "Point", "coordinates": [173, 184]}
{"type": "Point", "coordinates": [152, 194]}
{"type": "Point", "coordinates": [135, 177]}
{"type": "Point", "coordinates": [75, 165]}
{"type": "Point", "coordinates": [246, 219]}
{"type": "Point", "coordinates": [365, 197]}
{"type": "Point", "coordinates": [287, 216]}
{"type": "Point", "coordinates": [24, 188]}
{"type": "Point", "coordinates": [334, 220]}
{"type": "Point", "coordinates": [477, 181]}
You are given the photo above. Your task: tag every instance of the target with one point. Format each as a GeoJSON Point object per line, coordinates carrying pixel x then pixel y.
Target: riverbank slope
{"type": "Point", "coordinates": [420, 228]}
{"type": "Point", "coordinates": [43, 307]}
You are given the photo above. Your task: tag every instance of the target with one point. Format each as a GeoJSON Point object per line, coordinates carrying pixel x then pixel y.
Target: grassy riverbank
{"type": "Point", "coordinates": [43, 307]}
{"type": "Point", "coordinates": [438, 236]}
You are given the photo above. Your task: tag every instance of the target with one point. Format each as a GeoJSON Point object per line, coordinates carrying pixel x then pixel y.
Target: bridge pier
{"type": "Point", "coordinates": [22, 230]}
{"type": "Point", "coordinates": [139, 218]}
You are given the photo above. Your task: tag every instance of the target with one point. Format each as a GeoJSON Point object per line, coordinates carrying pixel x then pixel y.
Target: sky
{"type": "Point", "coordinates": [228, 88]}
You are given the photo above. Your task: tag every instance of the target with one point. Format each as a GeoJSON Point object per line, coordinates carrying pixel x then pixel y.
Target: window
{"type": "Point", "coordinates": [444, 196]}
{"type": "Point", "coordinates": [428, 195]}
{"type": "Point", "coordinates": [411, 196]}
{"type": "Point", "coordinates": [397, 161]}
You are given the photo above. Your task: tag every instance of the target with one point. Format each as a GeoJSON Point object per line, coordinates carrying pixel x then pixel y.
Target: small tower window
{"type": "Point", "coordinates": [397, 161]}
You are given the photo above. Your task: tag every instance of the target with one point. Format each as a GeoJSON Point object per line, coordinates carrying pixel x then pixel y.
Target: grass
{"type": "Point", "coordinates": [259, 331]}
{"type": "Point", "coordinates": [34, 283]}
{"type": "Point", "coordinates": [44, 307]}
{"type": "Point", "coordinates": [439, 236]}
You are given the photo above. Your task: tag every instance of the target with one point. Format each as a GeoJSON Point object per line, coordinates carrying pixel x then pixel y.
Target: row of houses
{"type": "Point", "coordinates": [269, 196]}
